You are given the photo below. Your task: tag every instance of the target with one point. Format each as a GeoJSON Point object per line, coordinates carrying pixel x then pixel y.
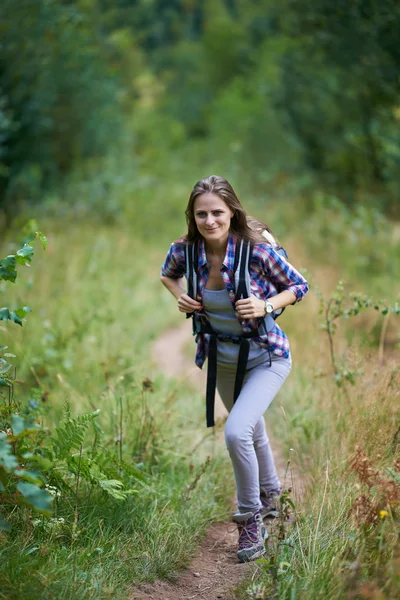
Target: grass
{"type": "Point", "coordinates": [344, 443]}
{"type": "Point", "coordinates": [98, 305]}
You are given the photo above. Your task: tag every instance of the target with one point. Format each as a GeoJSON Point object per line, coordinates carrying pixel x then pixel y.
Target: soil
{"type": "Point", "coordinates": [215, 570]}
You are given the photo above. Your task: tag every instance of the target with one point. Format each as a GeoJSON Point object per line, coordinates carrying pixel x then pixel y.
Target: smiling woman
{"type": "Point", "coordinates": [213, 219]}
{"type": "Point", "coordinates": [237, 332]}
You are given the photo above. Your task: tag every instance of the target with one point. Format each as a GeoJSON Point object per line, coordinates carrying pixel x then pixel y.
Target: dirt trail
{"type": "Point", "coordinates": [215, 569]}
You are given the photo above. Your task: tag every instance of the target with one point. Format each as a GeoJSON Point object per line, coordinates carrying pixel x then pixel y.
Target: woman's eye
{"type": "Point", "coordinates": [217, 212]}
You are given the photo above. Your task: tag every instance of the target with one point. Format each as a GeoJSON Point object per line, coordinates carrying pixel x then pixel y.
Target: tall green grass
{"type": "Point", "coordinates": [343, 443]}
{"type": "Point", "coordinates": [97, 307]}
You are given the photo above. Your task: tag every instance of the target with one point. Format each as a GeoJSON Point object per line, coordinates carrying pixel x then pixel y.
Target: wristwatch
{"type": "Point", "coordinates": [268, 307]}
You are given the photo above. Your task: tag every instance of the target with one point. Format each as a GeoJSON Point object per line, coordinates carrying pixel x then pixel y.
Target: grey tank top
{"type": "Point", "coordinates": [222, 319]}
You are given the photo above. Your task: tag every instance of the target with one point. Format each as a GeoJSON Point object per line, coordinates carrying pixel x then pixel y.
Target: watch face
{"type": "Point", "coordinates": [268, 308]}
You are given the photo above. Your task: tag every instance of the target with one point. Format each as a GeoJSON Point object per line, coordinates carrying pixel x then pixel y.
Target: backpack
{"type": "Point", "coordinates": [243, 255]}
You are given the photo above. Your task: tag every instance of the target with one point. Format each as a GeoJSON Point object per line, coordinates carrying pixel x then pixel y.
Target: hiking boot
{"type": "Point", "coordinates": [252, 535]}
{"type": "Point", "coordinates": [270, 503]}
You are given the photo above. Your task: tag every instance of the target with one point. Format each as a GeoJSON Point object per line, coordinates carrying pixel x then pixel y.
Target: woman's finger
{"type": "Point", "coordinates": [246, 303]}
{"type": "Point", "coordinates": [188, 300]}
{"type": "Point", "coordinates": [187, 304]}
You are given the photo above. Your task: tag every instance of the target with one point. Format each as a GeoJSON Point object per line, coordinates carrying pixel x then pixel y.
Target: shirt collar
{"type": "Point", "coordinates": [229, 259]}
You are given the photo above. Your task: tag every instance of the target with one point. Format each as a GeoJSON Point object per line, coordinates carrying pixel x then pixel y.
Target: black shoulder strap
{"type": "Point", "coordinates": [237, 255]}
{"type": "Point", "coordinates": [192, 264]}
{"type": "Point", "coordinates": [195, 270]}
{"type": "Point", "coordinates": [189, 268]}
{"type": "Point", "coordinates": [243, 254]}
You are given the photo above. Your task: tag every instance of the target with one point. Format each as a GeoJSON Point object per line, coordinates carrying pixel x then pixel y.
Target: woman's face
{"type": "Point", "coordinates": [213, 217]}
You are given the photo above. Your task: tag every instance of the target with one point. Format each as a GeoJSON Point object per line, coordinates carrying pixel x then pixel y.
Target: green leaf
{"type": "Point", "coordinates": [4, 366]}
{"type": "Point", "coordinates": [36, 497]}
{"type": "Point", "coordinates": [31, 550]}
{"type": "Point", "coordinates": [114, 488]}
{"type": "Point", "coordinates": [21, 312]}
{"type": "Point", "coordinates": [43, 239]}
{"type": "Point", "coordinates": [15, 318]}
{"type": "Point", "coordinates": [7, 315]}
{"type": "Point", "coordinates": [24, 255]}
{"type": "Point", "coordinates": [31, 476]}
{"type": "Point", "coordinates": [7, 458]}
{"type": "Point", "coordinates": [22, 426]}
{"type": "Point", "coordinates": [7, 268]}
{"type": "Point", "coordinates": [4, 383]}
{"type": "Point", "coordinates": [4, 314]}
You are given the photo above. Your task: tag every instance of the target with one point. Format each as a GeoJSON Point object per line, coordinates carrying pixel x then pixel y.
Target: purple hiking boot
{"type": "Point", "coordinates": [270, 503]}
{"type": "Point", "coordinates": [252, 535]}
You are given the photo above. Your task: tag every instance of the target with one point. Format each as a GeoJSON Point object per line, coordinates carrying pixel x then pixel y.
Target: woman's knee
{"type": "Point", "coordinates": [236, 437]}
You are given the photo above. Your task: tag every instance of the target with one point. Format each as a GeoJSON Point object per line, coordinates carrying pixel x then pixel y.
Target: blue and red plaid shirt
{"type": "Point", "coordinates": [270, 274]}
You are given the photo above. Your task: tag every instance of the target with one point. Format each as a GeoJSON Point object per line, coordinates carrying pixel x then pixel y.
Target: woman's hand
{"type": "Point", "coordinates": [186, 304]}
{"type": "Point", "coordinates": [250, 308]}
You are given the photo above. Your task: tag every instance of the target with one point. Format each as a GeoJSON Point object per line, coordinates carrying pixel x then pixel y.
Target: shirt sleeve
{"type": "Point", "coordinates": [175, 264]}
{"type": "Point", "coordinates": [282, 273]}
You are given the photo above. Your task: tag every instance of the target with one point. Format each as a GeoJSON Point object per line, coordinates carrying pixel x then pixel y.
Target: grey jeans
{"type": "Point", "coordinates": [245, 434]}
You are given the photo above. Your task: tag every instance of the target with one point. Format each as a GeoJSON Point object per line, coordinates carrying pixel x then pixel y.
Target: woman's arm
{"type": "Point", "coordinates": [252, 307]}
{"type": "Point", "coordinates": [185, 303]}
{"type": "Point", "coordinates": [282, 274]}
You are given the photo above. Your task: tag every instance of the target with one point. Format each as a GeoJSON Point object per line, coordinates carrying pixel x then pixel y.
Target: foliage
{"type": "Point", "coordinates": [117, 478]}
{"type": "Point", "coordinates": [8, 272]}
{"type": "Point", "coordinates": [349, 55]}
{"type": "Point", "coordinates": [343, 541]}
{"type": "Point", "coordinates": [21, 478]}
{"type": "Point", "coordinates": [55, 94]}
{"type": "Point", "coordinates": [344, 305]}
{"type": "Point", "coordinates": [95, 465]}
{"type": "Point", "coordinates": [289, 89]}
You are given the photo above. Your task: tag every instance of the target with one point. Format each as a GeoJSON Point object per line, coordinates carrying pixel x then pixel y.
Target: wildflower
{"type": "Point", "coordinates": [36, 522]}
{"type": "Point", "coordinates": [53, 491]}
{"type": "Point", "coordinates": [383, 514]}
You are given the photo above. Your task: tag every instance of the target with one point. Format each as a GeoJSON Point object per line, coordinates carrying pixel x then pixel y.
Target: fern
{"type": "Point", "coordinates": [70, 434]}
{"type": "Point", "coordinates": [99, 468]}
{"type": "Point", "coordinates": [114, 488]}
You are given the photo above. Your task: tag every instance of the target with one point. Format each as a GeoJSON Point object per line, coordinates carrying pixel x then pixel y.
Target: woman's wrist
{"type": "Point", "coordinates": [263, 311]}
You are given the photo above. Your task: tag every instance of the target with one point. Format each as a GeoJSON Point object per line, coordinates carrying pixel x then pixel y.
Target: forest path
{"type": "Point", "coordinates": [215, 569]}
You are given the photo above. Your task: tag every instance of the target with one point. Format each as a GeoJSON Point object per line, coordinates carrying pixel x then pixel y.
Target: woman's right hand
{"type": "Point", "coordinates": [186, 304]}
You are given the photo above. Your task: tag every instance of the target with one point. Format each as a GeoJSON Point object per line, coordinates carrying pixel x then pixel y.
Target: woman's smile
{"type": "Point", "coordinates": [213, 217]}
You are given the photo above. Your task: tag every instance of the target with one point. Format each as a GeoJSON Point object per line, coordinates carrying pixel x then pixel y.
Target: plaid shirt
{"type": "Point", "coordinates": [270, 274]}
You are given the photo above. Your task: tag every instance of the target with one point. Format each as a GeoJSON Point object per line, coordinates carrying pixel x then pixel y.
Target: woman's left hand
{"type": "Point", "coordinates": [250, 308]}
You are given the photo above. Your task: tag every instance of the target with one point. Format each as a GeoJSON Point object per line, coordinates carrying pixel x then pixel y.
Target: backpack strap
{"type": "Point", "coordinates": [243, 254]}
{"type": "Point", "coordinates": [189, 269]}
{"type": "Point", "coordinates": [192, 263]}
{"type": "Point", "coordinates": [241, 271]}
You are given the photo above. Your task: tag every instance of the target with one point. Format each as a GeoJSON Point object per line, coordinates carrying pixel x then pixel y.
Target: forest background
{"type": "Point", "coordinates": [110, 111]}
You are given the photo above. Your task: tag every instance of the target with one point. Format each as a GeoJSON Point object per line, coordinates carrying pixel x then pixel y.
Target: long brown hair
{"type": "Point", "coordinates": [242, 226]}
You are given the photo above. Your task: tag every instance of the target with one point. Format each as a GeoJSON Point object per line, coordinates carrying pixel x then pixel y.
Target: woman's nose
{"type": "Point", "coordinates": [209, 220]}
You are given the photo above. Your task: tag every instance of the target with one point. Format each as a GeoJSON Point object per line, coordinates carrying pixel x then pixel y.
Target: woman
{"type": "Point", "coordinates": [217, 223]}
